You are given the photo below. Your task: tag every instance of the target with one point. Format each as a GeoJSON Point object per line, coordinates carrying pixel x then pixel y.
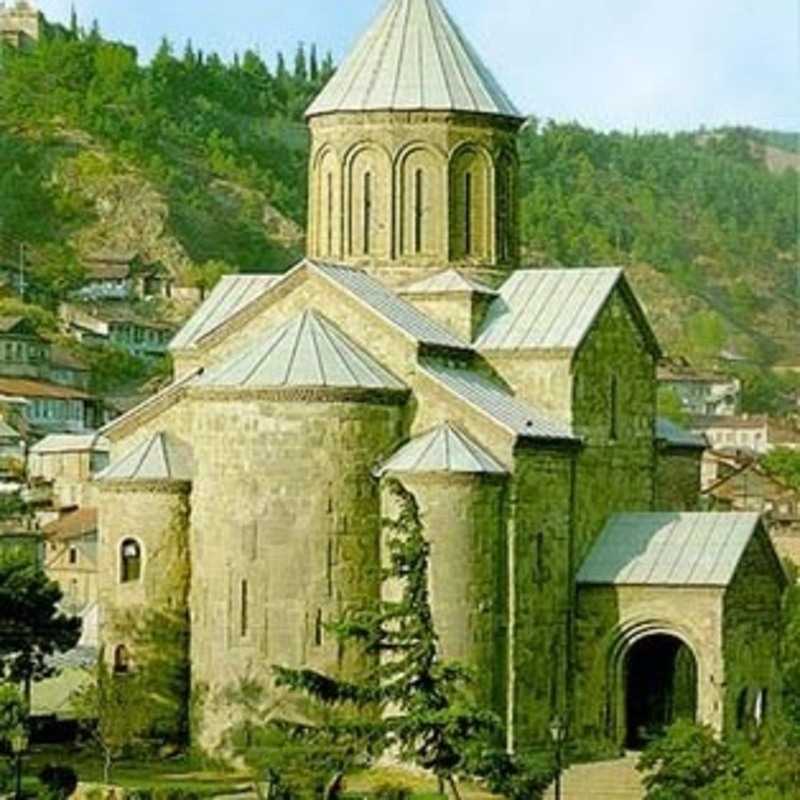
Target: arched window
{"type": "Point", "coordinates": [367, 217]}
{"type": "Point", "coordinates": [130, 561]}
{"type": "Point", "coordinates": [318, 629]}
{"type": "Point", "coordinates": [244, 620]}
{"type": "Point", "coordinates": [418, 211]}
{"type": "Point", "coordinates": [742, 710]}
{"type": "Point", "coordinates": [468, 214]}
{"type": "Point", "coordinates": [505, 208]}
{"type": "Point", "coordinates": [329, 212]}
{"type": "Point", "coordinates": [122, 660]}
{"type": "Point", "coordinates": [613, 433]}
{"type": "Point", "coordinates": [73, 555]}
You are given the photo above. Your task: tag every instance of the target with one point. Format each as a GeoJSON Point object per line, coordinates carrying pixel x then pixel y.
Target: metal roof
{"type": "Point", "coordinates": [496, 403]}
{"type": "Point", "coordinates": [444, 449]}
{"type": "Point", "coordinates": [394, 309]}
{"type": "Point", "coordinates": [546, 308]}
{"type": "Point", "coordinates": [669, 549]}
{"type": "Point", "coordinates": [449, 281]}
{"type": "Point", "coordinates": [70, 443]}
{"type": "Point", "coordinates": [162, 457]}
{"type": "Point", "coordinates": [306, 351]}
{"type": "Point", "coordinates": [413, 57]}
{"type": "Point", "coordinates": [676, 436]}
{"type": "Point", "coordinates": [231, 294]}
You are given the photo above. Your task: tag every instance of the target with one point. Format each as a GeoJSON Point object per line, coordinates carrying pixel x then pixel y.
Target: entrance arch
{"type": "Point", "coordinates": [659, 684]}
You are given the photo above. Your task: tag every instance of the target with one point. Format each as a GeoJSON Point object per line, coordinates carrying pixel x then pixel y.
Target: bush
{"type": "Point", "coordinates": [59, 782]}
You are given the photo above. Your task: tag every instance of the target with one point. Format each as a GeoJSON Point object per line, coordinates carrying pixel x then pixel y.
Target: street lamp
{"type": "Point", "coordinates": [558, 731]}
{"type": "Point", "coordinates": [19, 744]}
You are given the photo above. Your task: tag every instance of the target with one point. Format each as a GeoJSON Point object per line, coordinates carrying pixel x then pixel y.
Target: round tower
{"type": "Point", "coordinates": [460, 489]}
{"type": "Point", "coordinates": [286, 513]}
{"type": "Point", "coordinates": [414, 156]}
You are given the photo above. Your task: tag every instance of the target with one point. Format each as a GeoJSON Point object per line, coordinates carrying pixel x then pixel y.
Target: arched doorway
{"type": "Point", "coordinates": [660, 685]}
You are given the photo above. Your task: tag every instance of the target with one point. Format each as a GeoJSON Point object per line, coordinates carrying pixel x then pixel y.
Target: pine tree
{"type": "Point", "coordinates": [300, 64]}
{"type": "Point", "coordinates": [313, 64]}
{"type": "Point", "coordinates": [412, 701]}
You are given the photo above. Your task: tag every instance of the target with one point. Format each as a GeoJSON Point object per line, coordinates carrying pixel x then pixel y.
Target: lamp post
{"type": "Point", "coordinates": [19, 744]}
{"type": "Point", "coordinates": [558, 731]}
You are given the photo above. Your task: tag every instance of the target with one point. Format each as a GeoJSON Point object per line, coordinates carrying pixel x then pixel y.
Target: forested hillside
{"type": "Point", "coordinates": [195, 162]}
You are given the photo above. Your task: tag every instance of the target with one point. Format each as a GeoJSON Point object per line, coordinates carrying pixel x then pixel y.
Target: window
{"type": "Point", "coordinates": [614, 403]}
{"type": "Point", "coordinates": [367, 211]}
{"type": "Point", "coordinates": [73, 555]}
{"type": "Point", "coordinates": [318, 629]}
{"type": "Point", "coordinates": [130, 561]}
{"type": "Point", "coordinates": [468, 214]}
{"type": "Point", "coordinates": [418, 200]}
{"type": "Point", "coordinates": [741, 709]}
{"type": "Point", "coordinates": [244, 600]}
{"type": "Point", "coordinates": [122, 660]}
{"type": "Point", "coordinates": [330, 215]}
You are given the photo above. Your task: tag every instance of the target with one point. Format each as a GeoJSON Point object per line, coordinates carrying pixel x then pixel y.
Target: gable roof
{"type": "Point", "coordinates": [413, 57]}
{"type": "Point", "coordinates": [308, 350]}
{"type": "Point", "coordinates": [72, 525]}
{"type": "Point", "coordinates": [231, 294]}
{"type": "Point", "coordinates": [493, 401]}
{"type": "Point", "coordinates": [8, 432]}
{"type": "Point", "coordinates": [444, 449]}
{"type": "Point", "coordinates": [393, 308]}
{"type": "Point", "coordinates": [669, 549]}
{"type": "Point", "coordinates": [550, 309]}
{"type": "Point", "coordinates": [676, 436]}
{"type": "Point", "coordinates": [162, 457]}
{"type": "Point", "coordinates": [451, 281]}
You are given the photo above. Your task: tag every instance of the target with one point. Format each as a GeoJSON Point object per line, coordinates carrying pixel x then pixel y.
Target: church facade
{"type": "Point", "coordinates": [518, 406]}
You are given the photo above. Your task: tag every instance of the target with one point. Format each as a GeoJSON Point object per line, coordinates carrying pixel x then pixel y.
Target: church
{"type": "Point", "coordinates": [570, 566]}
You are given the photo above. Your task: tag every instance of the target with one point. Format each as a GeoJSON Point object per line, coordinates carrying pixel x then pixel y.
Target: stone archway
{"type": "Point", "coordinates": [660, 686]}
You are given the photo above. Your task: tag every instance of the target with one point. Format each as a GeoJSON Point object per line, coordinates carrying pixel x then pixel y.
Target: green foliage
{"type": "Point", "coordinates": [766, 392]}
{"type": "Point", "coordinates": [388, 791]}
{"type": "Point", "coordinates": [790, 655]}
{"type": "Point", "coordinates": [59, 782]}
{"type": "Point", "coordinates": [688, 758]}
{"type": "Point", "coordinates": [13, 716]}
{"type": "Point", "coordinates": [785, 465]}
{"type": "Point", "coordinates": [671, 407]}
{"type": "Point", "coordinates": [114, 711]}
{"type": "Point", "coordinates": [33, 628]}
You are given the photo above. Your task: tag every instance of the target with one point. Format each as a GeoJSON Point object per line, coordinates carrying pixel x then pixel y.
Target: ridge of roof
{"type": "Point", "coordinates": [308, 350]}
{"type": "Point", "coordinates": [413, 57]}
{"type": "Point", "coordinates": [449, 281]}
{"type": "Point", "coordinates": [445, 448]}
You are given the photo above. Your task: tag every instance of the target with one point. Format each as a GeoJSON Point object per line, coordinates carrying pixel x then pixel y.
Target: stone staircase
{"type": "Point", "coordinates": [604, 780]}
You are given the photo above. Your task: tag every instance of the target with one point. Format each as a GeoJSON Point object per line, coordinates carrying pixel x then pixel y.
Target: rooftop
{"type": "Point", "coordinates": [70, 443]}
{"type": "Point", "coordinates": [669, 549]}
{"type": "Point", "coordinates": [741, 422]}
{"type": "Point", "coordinates": [72, 525]}
{"type": "Point", "coordinates": [162, 457]}
{"type": "Point", "coordinates": [21, 387]}
{"type": "Point", "coordinates": [493, 401]}
{"type": "Point", "coordinates": [676, 436]}
{"type": "Point", "coordinates": [444, 449]}
{"type": "Point", "coordinates": [309, 350]}
{"type": "Point", "coordinates": [413, 57]}
{"type": "Point", "coordinates": [546, 309]}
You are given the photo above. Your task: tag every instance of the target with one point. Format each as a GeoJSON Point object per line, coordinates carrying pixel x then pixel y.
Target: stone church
{"type": "Point", "coordinates": [570, 567]}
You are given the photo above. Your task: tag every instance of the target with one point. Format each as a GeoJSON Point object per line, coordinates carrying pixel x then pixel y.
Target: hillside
{"type": "Point", "coordinates": [201, 165]}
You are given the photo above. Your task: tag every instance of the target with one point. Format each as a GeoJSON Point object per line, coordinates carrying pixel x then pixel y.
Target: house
{"type": "Point", "coordinates": [68, 463]}
{"type": "Point", "coordinates": [749, 433]}
{"type": "Point", "coordinates": [49, 407]}
{"type": "Point", "coordinates": [518, 407]}
{"type": "Point", "coordinates": [701, 393]}
{"type": "Point", "coordinates": [119, 327]}
{"type": "Point", "coordinates": [123, 277]}
{"type": "Point", "coordinates": [67, 369]}
{"type": "Point", "coordinates": [24, 353]}
{"type": "Point", "coordinates": [70, 555]}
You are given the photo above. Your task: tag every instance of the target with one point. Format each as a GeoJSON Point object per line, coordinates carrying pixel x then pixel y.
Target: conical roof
{"type": "Point", "coordinates": [444, 449]}
{"type": "Point", "coordinates": [307, 351]}
{"type": "Point", "coordinates": [162, 457]}
{"type": "Point", "coordinates": [413, 57]}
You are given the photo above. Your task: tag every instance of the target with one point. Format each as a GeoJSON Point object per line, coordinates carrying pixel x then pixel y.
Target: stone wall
{"type": "Point", "coordinates": [460, 312]}
{"type": "Point", "coordinates": [285, 534]}
{"type": "Point", "coordinates": [678, 478]}
{"type": "Point", "coordinates": [414, 190]}
{"type": "Point", "coordinates": [541, 595]}
{"type": "Point", "coordinates": [466, 521]}
{"type": "Point", "coordinates": [752, 634]}
{"type": "Point", "coordinates": [614, 412]}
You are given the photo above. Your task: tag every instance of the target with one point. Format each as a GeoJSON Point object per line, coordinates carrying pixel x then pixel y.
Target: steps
{"type": "Point", "coordinates": [604, 780]}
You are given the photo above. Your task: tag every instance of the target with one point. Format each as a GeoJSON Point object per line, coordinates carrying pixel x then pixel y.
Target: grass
{"type": "Point", "coordinates": [183, 773]}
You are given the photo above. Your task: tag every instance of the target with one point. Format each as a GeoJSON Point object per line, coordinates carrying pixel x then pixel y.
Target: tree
{"type": "Point", "coordinates": [411, 701]}
{"type": "Point", "coordinates": [114, 712]}
{"type": "Point", "coordinates": [784, 463]}
{"type": "Point", "coordinates": [12, 713]}
{"type": "Point", "coordinates": [32, 628]}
